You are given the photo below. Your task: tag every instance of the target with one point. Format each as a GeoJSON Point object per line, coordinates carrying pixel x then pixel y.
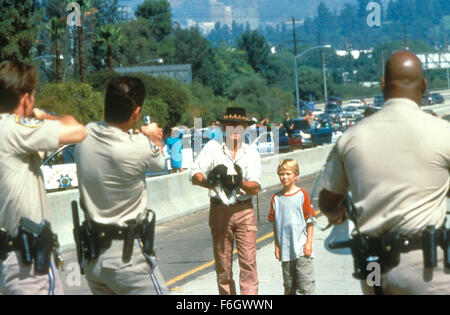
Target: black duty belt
{"type": "Point", "coordinates": [388, 247]}
{"type": "Point", "coordinates": [117, 232]}
{"type": "Point", "coordinates": [35, 242]}
{"type": "Point", "coordinates": [218, 202]}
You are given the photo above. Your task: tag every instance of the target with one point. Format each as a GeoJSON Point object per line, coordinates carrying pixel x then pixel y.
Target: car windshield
{"type": "Point", "coordinates": [332, 107]}
{"type": "Point", "coordinates": [65, 156]}
{"type": "Point", "coordinates": [301, 124]}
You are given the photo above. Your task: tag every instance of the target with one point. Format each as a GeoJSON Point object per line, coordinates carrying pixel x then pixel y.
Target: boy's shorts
{"type": "Point", "coordinates": [298, 276]}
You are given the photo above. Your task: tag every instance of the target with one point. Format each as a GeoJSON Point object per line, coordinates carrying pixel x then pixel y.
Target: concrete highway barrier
{"type": "Point", "coordinates": [173, 196]}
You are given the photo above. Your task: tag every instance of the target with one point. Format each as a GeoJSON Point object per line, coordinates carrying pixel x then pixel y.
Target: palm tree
{"type": "Point", "coordinates": [110, 36]}
{"type": "Point", "coordinates": [56, 28]}
{"type": "Point", "coordinates": [85, 6]}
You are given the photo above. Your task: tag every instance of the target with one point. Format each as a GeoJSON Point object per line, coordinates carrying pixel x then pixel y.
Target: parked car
{"type": "Point", "coordinates": [302, 130]}
{"type": "Point", "coordinates": [322, 132]}
{"type": "Point", "coordinates": [265, 143]}
{"type": "Point", "coordinates": [356, 102]}
{"type": "Point", "coordinates": [378, 101]}
{"type": "Point", "coordinates": [427, 99]}
{"type": "Point", "coordinates": [351, 112]}
{"type": "Point", "coordinates": [334, 100]}
{"type": "Point", "coordinates": [334, 111]}
{"type": "Point", "coordinates": [59, 169]}
{"type": "Point", "coordinates": [438, 98]}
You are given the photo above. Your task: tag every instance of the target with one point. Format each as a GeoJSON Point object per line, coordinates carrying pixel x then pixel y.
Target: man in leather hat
{"type": "Point", "coordinates": [232, 173]}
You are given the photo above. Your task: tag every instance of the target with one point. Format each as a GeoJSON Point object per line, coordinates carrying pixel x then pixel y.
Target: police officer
{"type": "Point", "coordinates": [231, 220]}
{"type": "Point", "coordinates": [24, 131]}
{"type": "Point", "coordinates": [111, 165]}
{"type": "Point", "coordinates": [396, 164]}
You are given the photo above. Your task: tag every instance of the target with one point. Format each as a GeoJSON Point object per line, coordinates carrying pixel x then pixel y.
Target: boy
{"type": "Point", "coordinates": [293, 228]}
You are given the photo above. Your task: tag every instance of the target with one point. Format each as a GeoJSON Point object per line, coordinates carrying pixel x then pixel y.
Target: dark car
{"type": "Point", "coordinates": [302, 130]}
{"type": "Point", "coordinates": [334, 111]}
{"type": "Point", "coordinates": [334, 100]}
{"type": "Point", "coordinates": [378, 101]}
{"type": "Point", "coordinates": [427, 99]}
{"type": "Point", "coordinates": [438, 98]}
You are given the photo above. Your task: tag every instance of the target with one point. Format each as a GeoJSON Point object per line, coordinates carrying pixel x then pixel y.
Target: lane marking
{"type": "Point", "coordinates": [209, 263]}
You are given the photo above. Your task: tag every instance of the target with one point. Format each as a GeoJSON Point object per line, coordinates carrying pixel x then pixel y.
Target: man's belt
{"type": "Point", "coordinates": [218, 202]}
{"type": "Point", "coordinates": [35, 242]}
{"type": "Point", "coordinates": [387, 248]}
{"type": "Point", "coordinates": [91, 237]}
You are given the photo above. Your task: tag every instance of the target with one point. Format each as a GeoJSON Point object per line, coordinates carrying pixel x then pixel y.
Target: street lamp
{"type": "Point", "coordinates": [296, 73]}
{"type": "Point", "coordinates": [157, 60]}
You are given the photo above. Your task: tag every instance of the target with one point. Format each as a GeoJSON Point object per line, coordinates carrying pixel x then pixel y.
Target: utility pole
{"type": "Point", "coordinates": [294, 35]}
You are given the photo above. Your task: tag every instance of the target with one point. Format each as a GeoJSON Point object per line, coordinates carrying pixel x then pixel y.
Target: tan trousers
{"type": "Point", "coordinates": [19, 279]}
{"type": "Point", "coordinates": [229, 223]}
{"type": "Point", "coordinates": [109, 275]}
{"type": "Point", "coordinates": [409, 277]}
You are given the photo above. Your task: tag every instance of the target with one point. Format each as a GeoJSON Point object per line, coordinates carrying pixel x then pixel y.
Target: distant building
{"type": "Point", "coordinates": [181, 72]}
{"type": "Point", "coordinates": [354, 53]}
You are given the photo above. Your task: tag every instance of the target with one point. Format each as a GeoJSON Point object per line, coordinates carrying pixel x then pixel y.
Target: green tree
{"type": "Point", "coordinates": [192, 48]}
{"type": "Point", "coordinates": [19, 22]}
{"type": "Point", "coordinates": [258, 98]}
{"type": "Point", "coordinates": [110, 36]}
{"type": "Point", "coordinates": [57, 28]}
{"type": "Point", "coordinates": [158, 13]}
{"type": "Point", "coordinates": [86, 6]}
{"type": "Point", "coordinates": [230, 65]}
{"type": "Point", "coordinates": [140, 45]}
{"type": "Point", "coordinates": [256, 48]}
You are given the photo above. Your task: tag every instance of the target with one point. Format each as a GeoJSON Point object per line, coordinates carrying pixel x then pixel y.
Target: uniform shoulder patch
{"type": "Point", "coordinates": [29, 121]}
{"type": "Point", "coordinates": [154, 147]}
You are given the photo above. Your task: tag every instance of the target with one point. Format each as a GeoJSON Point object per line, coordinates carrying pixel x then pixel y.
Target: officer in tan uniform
{"type": "Point", "coordinates": [396, 164]}
{"type": "Point", "coordinates": [24, 131]}
{"type": "Point", "coordinates": [111, 165]}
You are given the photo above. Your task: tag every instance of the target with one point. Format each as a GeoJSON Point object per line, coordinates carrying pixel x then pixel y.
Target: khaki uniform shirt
{"type": "Point", "coordinates": [22, 190]}
{"type": "Point", "coordinates": [111, 167]}
{"type": "Point", "coordinates": [214, 153]}
{"type": "Point", "coordinates": [397, 166]}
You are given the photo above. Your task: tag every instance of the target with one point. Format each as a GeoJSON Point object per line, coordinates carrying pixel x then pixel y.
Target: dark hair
{"type": "Point", "coordinates": [16, 79]}
{"type": "Point", "coordinates": [123, 96]}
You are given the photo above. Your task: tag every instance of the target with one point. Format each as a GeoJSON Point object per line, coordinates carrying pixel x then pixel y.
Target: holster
{"type": "Point", "coordinates": [89, 240]}
{"type": "Point", "coordinates": [148, 233]}
{"type": "Point", "coordinates": [36, 242]}
{"type": "Point", "coordinates": [4, 240]}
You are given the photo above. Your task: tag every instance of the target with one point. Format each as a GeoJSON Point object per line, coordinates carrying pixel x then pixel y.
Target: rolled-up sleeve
{"type": "Point", "coordinates": [253, 173]}
{"type": "Point", "coordinates": [204, 161]}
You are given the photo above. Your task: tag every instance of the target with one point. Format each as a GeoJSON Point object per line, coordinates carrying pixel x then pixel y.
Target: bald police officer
{"type": "Point", "coordinates": [24, 131]}
{"type": "Point", "coordinates": [396, 164]}
{"type": "Point", "coordinates": [111, 165]}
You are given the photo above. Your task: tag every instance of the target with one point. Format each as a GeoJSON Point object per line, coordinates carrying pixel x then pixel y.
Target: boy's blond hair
{"type": "Point", "coordinates": [289, 164]}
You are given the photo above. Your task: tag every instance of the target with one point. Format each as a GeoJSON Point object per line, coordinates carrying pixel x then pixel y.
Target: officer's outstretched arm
{"type": "Point", "coordinates": [71, 130]}
{"type": "Point", "coordinates": [332, 206]}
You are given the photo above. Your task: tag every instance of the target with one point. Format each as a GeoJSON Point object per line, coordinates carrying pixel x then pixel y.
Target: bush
{"type": "Point", "coordinates": [77, 99]}
{"type": "Point", "coordinates": [98, 80]}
